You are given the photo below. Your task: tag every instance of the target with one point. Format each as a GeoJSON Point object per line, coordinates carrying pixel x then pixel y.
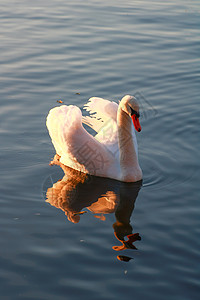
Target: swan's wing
{"type": "Point", "coordinates": [77, 148]}
{"type": "Point", "coordinates": [101, 111]}
{"type": "Point", "coordinates": [103, 119]}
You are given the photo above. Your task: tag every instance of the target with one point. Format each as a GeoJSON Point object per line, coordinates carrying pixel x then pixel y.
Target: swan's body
{"type": "Point", "coordinates": [112, 152]}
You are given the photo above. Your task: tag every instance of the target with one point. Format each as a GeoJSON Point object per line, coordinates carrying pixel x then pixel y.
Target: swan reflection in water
{"type": "Point", "coordinates": [77, 191]}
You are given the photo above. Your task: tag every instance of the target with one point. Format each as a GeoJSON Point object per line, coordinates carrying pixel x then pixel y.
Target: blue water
{"type": "Point", "coordinates": [70, 51]}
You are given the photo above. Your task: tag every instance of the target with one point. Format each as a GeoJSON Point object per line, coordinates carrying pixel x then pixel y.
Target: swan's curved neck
{"type": "Point", "coordinates": [129, 164]}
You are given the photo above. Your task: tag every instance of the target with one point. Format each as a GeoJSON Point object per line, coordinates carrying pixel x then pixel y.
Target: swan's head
{"type": "Point", "coordinates": [131, 107]}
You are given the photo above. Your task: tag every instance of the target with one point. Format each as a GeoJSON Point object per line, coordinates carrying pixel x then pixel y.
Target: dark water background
{"type": "Point", "coordinates": [52, 50]}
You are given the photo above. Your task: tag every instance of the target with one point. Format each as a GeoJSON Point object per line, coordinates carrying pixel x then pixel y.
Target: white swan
{"type": "Point", "coordinates": [112, 152]}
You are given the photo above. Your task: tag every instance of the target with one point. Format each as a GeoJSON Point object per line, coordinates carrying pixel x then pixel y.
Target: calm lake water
{"type": "Point", "coordinates": [70, 51]}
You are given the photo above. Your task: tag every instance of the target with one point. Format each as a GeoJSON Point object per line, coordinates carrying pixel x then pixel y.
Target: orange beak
{"type": "Point", "coordinates": [136, 123]}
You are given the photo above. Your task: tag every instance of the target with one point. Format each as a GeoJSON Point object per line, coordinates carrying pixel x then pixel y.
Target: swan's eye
{"type": "Point", "coordinates": [134, 112]}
